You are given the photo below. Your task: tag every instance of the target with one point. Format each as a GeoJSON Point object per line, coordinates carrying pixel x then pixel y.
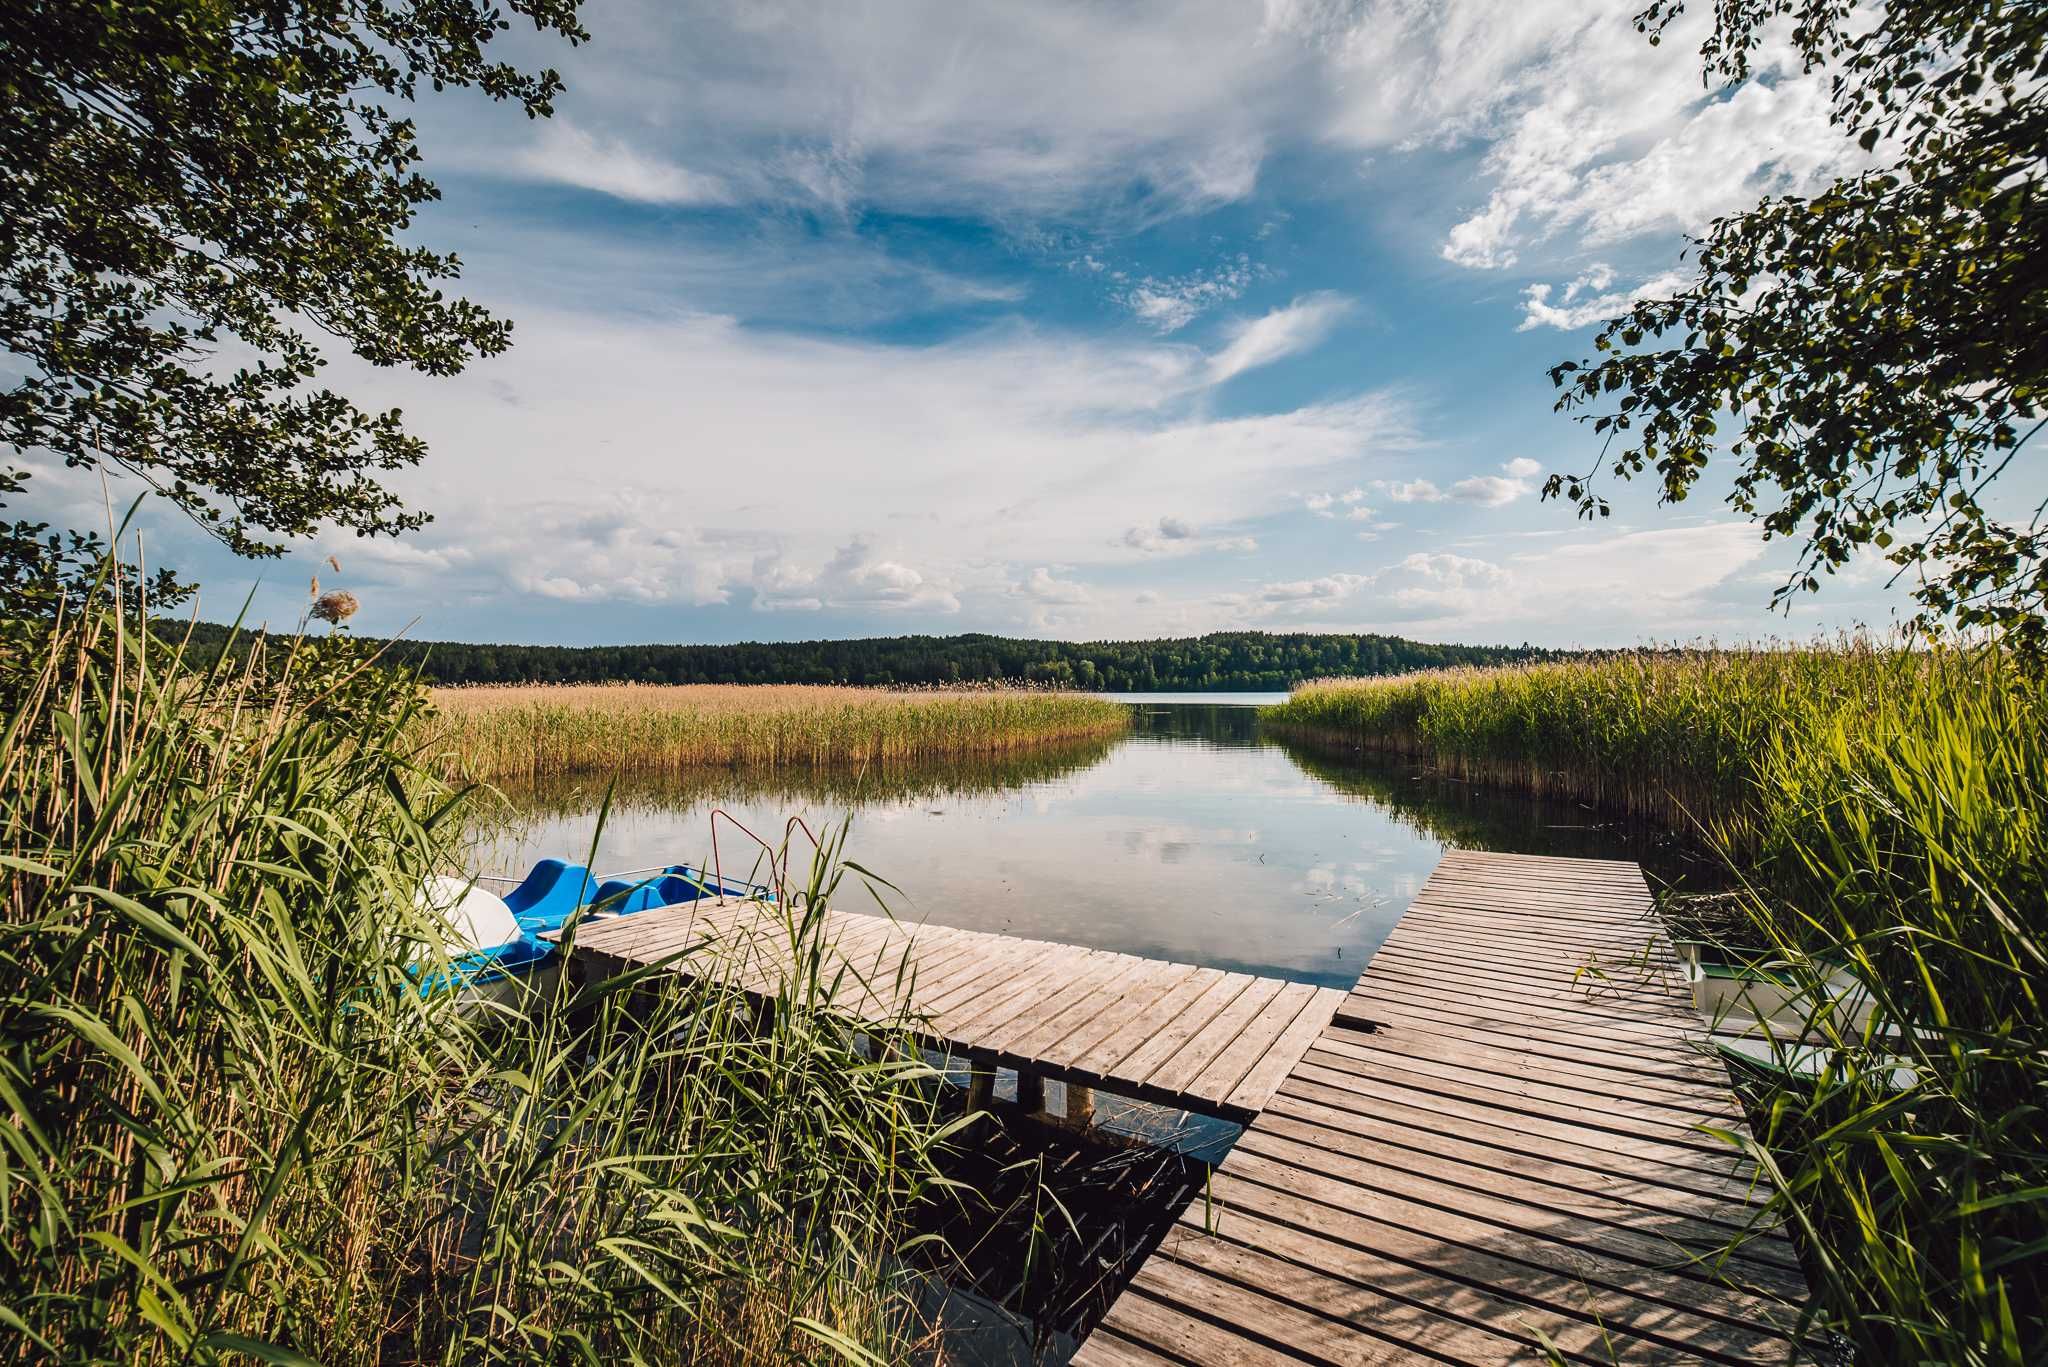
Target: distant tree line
{"type": "Point", "coordinates": [1232, 660]}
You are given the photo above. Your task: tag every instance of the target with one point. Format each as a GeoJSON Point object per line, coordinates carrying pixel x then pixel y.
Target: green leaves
{"type": "Point", "coordinates": [178, 176]}
{"type": "Point", "coordinates": [1877, 346]}
{"type": "Point", "coordinates": [232, 1128]}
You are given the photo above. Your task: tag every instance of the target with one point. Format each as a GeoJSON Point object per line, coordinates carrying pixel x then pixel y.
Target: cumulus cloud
{"type": "Point", "coordinates": [1412, 491]}
{"type": "Point", "coordinates": [1441, 584]}
{"type": "Point", "coordinates": [1586, 299]}
{"type": "Point", "coordinates": [1653, 581]}
{"type": "Point", "coordinates": [1296, 593]}
{"type": "Point", "coordinates": [1037, 447]}
{"type": "Point", "coordinates": [1488, 491]}
{"type": "Point", "coordinates": [1284, 332]}
{"type": "Point", "coordinates": [1594, 133]}
{"type": "Point", "coordinates": [855, 577]}
{"type": "Point", "coordinates": [1041, 586]}
{"type": "Point", "coordinates": [1159, 536]}
{"type": "Point", "coordinates": [1423, 584]}
{"type": "Point", "coordinates": [616, 546]}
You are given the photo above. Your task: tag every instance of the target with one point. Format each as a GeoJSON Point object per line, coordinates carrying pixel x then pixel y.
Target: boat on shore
{"type": "Point", "coordinates": [495, 946]}
{"type": "Point", "coordinates": [1761, 1012]}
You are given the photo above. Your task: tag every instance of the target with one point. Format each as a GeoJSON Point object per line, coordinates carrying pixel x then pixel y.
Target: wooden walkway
{"type": "Point", "coordinates": [1487, 1152]}
{"type": "Point", "coordinates": [1196, 1039]}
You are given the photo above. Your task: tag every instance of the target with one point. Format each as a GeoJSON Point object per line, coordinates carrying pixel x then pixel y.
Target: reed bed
{"type": "Point", "coordinates": [232, 1128]}
{"type": "Point", "coordinates": [541, 732]}
{"type": "Point", "coordinates": [1668, 735]}
{"type": "Point", "coordinates": [1887, 814]}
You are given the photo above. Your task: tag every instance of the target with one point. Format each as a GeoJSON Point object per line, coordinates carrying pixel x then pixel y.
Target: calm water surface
{"type": "Point", "coordinates": [1192, 839]}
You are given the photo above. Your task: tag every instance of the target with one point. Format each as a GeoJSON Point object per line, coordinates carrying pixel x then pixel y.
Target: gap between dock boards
{"type": "Point", "coordinates": [1195, 1039]}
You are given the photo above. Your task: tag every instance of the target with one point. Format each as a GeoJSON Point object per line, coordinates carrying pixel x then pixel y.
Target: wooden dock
{"type": "Point", "coordinates": [1497, 1149]}
{"type": "Point", "coordinates": [1196, 1039]}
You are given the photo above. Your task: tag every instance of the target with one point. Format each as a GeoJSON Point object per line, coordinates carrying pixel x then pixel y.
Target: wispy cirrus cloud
{"type": "Point", "coordinates": [565, 152]}
{"type": "Point", "coordinates": [1273, 336]}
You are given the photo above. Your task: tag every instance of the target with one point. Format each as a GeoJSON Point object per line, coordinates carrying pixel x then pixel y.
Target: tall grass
{"type": "Point", "coordinates": [231, 1128]}
{"type": "Point", "coordinates": [1889, 813]}
{"type": "Point", "coordinates": [535, 732]}
{"type": "Point", "coordinates": [1668, 735]}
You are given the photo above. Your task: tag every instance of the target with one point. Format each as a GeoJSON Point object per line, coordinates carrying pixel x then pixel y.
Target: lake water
{"type": "Point", "coordinates": [1193, 838]}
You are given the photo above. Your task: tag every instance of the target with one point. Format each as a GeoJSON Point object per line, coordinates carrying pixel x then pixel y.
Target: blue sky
{"type": "Point", "coordinates": [1103, 321]}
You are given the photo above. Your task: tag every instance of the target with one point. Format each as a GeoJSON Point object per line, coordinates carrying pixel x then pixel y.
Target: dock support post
{"type": "Point", "coordinates": [1030, 1091]}
{"type": "Point", "coordinates": [981, 1080]}
{"type": "Point", "coordinates": [1080, 1103]}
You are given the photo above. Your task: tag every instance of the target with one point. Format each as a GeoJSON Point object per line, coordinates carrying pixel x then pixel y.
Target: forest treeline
{"type": "Point", "coordinates": [1236, 660]}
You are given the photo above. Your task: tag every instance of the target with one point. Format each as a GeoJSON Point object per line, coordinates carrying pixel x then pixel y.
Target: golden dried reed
{"type": "Point", "coordinates": [538, 732]}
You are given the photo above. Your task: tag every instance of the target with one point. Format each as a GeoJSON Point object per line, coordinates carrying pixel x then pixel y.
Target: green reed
{"type": "Point", "coordinates": [233, 1128]}
{"type": "Point", "coordinates": [1888, 813]}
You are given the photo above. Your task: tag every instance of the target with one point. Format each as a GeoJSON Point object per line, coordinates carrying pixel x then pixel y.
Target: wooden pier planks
{"type": "Point", "coordinates": [1494, 1145]}
{"type": "Point", "coordinates": [1196, 1039]}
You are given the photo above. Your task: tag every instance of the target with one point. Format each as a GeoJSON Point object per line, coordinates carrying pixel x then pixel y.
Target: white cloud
{"type": "Point", "coordinates": [1169, 305]}
{"type": "Point", "coordinates": [1284, 332]}
{"type": "Point", "coordinates": [562, 151]}
{"type": "Point", "coordinates": [1042, 587]}
{"type": "Point", "coordinates": [660, 461]}
{"type": "Point", "coordinates": [1412, 491]}
{"type": "Point", "coordinates": [1653, 583]}
{"type": "Point", "coordinates": [1176, 536]}
{"type": "Point", "coordinates": [1328, 505]}
{"type": "Point", "coordinates": [853, 578]}
{"type": "Point", "coordinates": [1122, 116]}
{"type": "Point", "coordinates": [1488, 491]}
{"type": "Point", "coordinates": [933, 106]}
{"type": "Point", "coordinates": [1582, 303]}
{"type": "Point", "coordinates": [1440, 584]}
{"type": "Point", "coordinates": [1330, 588]}
{"type": "Point", "coordinates": [1593, 132]}
{"type": "Point", "coordinates": [614, 546]}
{"type": "Point", "coordinates": [1162, 535]}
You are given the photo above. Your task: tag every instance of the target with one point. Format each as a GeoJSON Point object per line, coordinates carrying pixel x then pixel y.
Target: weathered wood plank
{"type": "Point", "coordinates": [1057, 1011]}
{"type": "Point", "coordinates": [1486, 1155]}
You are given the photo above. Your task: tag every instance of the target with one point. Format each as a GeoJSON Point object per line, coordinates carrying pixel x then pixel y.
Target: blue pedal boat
{"type": "Point", "coordinates": [495, 947]}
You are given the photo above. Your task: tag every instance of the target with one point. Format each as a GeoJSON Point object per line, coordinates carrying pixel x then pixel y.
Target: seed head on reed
{"type": "Point", "coordinates": [336, 607]}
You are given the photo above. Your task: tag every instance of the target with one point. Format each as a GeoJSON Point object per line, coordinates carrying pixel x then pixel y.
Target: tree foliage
{"type": "Point", "coordinates": [1224, 660]}
{"type": "Point", "coordinates": [195, 196]}
{"type": "Point", "coordinates": [1879, 349]}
